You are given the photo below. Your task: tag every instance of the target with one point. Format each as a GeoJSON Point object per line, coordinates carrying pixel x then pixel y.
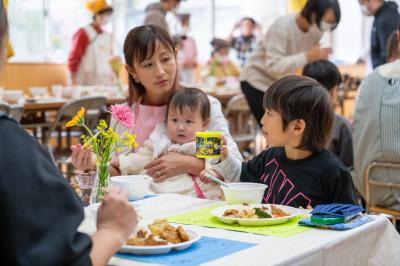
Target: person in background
{"type": "Point", "coordinates": [40, 212]}
{"type": "Point", "coordinates": [156, 12]}
{"type": "Point", "coordinates": [376, 132]}
{"type": "Point", "coordinates": [92, 48]}
{"type": "Point", "coordinates": [393, 48]}
{"type": "Point", "coordinates": [386, 20]}
{"type": "Point", "coordinates": [297, 168]}
{"type": "Point", "coordinates": [187, 55]}
{"type": "Point", "coordinates": [291, 42]}
{"type": "Point", "coordinates": [245, 43]}
{"type": "Point", "coordinates": [329, 76]}
{"type": "Point", "coordinates": [220, 66]}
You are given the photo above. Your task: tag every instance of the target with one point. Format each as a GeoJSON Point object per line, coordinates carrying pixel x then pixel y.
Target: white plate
{"type": "Point", "coordinates": [219, 212]}
{"type": "Point", "coordinates": [153, 250]}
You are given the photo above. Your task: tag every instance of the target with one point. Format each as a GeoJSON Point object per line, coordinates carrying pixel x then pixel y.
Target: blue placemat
{"type": "Point", "coordinates": [206, 249]}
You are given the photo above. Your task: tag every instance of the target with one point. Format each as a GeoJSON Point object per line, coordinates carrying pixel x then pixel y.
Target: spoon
{"type": "Point", "coordinates": [216, 180]}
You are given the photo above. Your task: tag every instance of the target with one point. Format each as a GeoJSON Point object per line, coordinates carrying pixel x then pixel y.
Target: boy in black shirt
{"type": "Point", "coordinates": [297, 168]}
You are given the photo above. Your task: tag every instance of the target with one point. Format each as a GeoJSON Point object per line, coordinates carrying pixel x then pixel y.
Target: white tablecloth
{"type": "Point", "coordinates": [375, 243]}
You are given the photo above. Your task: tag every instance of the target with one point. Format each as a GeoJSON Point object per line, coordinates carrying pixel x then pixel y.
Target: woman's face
{"type": "Point", "coordinates": [157, 73]}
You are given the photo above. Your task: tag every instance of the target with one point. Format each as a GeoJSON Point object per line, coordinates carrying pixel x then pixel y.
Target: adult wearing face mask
{"type": "Point", "coordinates": [156, 12]}
{"type": "Point", "coordinates": [289, 44]}
{"type": "Point", "coordinates": [386, 20]}
{"type": "Point", "coordinates": [187, 55]}
{"type": "Point", "coordinates": [92, 48]}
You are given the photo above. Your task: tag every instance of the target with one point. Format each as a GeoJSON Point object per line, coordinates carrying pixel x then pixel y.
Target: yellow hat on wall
{"type": "Point", "coordinates": [95, 6]}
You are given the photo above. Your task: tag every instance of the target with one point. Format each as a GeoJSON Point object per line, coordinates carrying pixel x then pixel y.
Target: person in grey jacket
{"type": "Point", "coordinates": [291, 42]}
{"type": "Point", "coordinates": [156, 12]}
{"type": "Point", "coordinates": [376, 132]}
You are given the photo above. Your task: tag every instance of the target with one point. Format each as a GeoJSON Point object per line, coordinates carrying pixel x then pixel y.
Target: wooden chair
{"type": "Point", "coordinates": [369, 183]}
{"type": "Point", "coordinates": [242, 124]}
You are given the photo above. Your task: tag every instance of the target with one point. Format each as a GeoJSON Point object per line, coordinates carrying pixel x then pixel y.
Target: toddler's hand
{"type": "Point", "coordinates": [210, 172]}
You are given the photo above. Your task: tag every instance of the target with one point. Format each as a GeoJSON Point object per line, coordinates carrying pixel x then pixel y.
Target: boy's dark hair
{"type": "Point", "coordinates": [318, 7]}
{"type": "Point", "coordinates": [249, 19]}
{"type": "Point", "coordinates": [108, 10]}
{"type": "Point", "coordinates": [297, 97]}
{"type": "Point", "coordinates": [190, 99]}
{"type": "Point", "coordinates": [324, 72]}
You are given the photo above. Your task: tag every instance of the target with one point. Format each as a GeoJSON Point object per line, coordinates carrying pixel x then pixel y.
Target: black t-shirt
{"type": "Point", "coordinates": [40, 213]}
{"type": "Point", "coordinates": [318, 179]}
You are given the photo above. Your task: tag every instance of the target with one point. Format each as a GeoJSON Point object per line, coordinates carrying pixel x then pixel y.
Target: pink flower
{"type": "Point", "coordinates": [123, 115]}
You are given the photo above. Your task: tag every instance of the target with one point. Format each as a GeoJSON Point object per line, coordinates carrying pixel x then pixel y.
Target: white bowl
{"type": "Point", "coordinates": [38, 91]}
{"type": "Point", "coordinates": [12, 96]}
{"type": "Point", "coordinates": [136, 185]}
{"type": "Point", "coordinates": [238, 193]}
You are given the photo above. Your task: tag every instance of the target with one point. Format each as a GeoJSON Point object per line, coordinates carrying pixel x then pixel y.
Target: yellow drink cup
{"type": "Point", "coordinates": [208, 144]}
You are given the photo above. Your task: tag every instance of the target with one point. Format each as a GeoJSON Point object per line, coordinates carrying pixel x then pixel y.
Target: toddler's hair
{"type": "Point", "coordinates": [191, 99]}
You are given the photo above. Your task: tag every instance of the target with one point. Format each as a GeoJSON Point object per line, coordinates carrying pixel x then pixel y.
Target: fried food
{"type": "Point", "coordinates": [277, 212]}
{"type": "Point", "coordinates": [158, 226]}
{"type": "Point", "coordinates": [231, 213]}
{"type": "Point", "coordinates": [149, 241]}
{"type": "Point", "coordinates": [162, 233]}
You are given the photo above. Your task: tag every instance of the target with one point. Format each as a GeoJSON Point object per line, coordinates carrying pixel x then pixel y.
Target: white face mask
{"type": "Point", "coordinates": [364, 10]}
{"type": "Point", "coordinates": [183, 30]}
{"type": "Point", "coordinates": [325, 26]}
{"type": "Point", "coordinates": [223, 59]}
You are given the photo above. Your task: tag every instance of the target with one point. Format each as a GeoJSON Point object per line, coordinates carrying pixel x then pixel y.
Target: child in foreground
{"type": "Point", "coordinates": [188, 112]}
{"type": "Point", "coordinates": [297, 168]}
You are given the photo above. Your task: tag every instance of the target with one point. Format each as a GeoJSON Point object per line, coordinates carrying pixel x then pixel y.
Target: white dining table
{"type": "Point", "coordinates": [374, 243]}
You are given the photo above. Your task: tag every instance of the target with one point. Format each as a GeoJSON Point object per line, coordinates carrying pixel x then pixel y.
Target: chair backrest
{"type": "Point", "coordinates": [94, 107]}
{"type": "Point", "coordinates": [240, 119]}
{"type": "Point", "coordinates": [16, 112]}
{"type": "Point", "coordinates": [5, 107]}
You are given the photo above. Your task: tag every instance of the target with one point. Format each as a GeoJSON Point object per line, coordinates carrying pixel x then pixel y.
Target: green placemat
{"type": "Point", "coordinates": [203, 217]}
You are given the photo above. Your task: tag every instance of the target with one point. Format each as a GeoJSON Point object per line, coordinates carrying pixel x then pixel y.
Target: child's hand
{"type": "Point", "coordinates": [224, 148]}
{"type": "Point", "coordinates": [210, 172]}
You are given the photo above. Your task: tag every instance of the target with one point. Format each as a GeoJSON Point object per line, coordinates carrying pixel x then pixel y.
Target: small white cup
{"type": "Point", "coordinates": [57, 90]}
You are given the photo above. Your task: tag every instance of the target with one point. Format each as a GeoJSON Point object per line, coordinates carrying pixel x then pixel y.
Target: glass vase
{"type": "Point", "coordinates": [100, 183]}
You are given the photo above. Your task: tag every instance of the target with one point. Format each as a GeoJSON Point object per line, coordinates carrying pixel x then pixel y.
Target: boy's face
{"type": "Point", "coordinates": [182, 127]}
{"type": "Point", "coordinates": [272, 128]}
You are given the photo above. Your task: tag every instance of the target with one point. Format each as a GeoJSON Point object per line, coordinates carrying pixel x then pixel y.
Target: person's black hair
{"type": "Point", "coordinates": [249, 19]}
{"type": "Point", "coordinates": [324, 72]}
{"type": "Point", "coordinates": [298, 97]}
{"type": "Point", "coordinates": [318, 8]}
{"type": "Point", "coordinates": [191, 99]}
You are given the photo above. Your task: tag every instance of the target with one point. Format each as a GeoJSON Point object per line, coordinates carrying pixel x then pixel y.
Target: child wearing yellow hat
{"type": "Point", "coordinates": [91, 48]}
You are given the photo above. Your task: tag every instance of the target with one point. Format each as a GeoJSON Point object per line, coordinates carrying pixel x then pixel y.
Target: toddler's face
{"type": "Point", "coordinates": [182, 126]}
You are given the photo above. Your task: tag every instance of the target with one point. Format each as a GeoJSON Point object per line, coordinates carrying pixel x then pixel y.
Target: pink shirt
{"type": "Point", "coordinates": [146, 118]}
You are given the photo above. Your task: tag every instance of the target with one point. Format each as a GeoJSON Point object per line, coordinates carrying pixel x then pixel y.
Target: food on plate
{"type": "Point", "coordinates": [161, 233]}
{"type": "Point", "coordinates": [277, 212]}
{"type": "Point", "coordinates": [256, 213]}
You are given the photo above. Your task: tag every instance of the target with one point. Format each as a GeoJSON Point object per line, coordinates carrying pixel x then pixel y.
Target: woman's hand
{"type": "Point", "coordinates": [173, 164]}
{"type": "Point", "coordinates": [82, 158]}
{"type": "Point", "coordinates": [317, 53]}
{"type": "Point", "coordinates": [116, 214]}
{"type": "Point", "coordinates": [224, 148]}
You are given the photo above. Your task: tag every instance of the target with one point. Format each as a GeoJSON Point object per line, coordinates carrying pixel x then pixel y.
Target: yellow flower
{"type": "Point", "coordinates": [78, 119]}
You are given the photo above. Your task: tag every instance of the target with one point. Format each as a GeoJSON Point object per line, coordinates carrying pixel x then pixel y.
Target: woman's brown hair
{"type": "Point", "coordinates": [141, 44]}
